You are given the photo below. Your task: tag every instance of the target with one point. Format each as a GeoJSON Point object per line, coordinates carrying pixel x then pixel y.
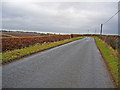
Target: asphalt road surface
{"type": "Point", "coordinates": [74, 65]}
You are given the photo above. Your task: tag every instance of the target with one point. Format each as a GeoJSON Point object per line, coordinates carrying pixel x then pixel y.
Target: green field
{"type": "Point", "coordinates": [111, 58]}
{"type": "Point", "coordinates": [9, 56]}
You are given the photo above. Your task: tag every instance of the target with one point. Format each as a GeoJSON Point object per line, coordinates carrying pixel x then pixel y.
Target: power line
{"type": "Point", "coordinates": [111, 17]}
{"type": "Point", "coordinates": [108, 21]}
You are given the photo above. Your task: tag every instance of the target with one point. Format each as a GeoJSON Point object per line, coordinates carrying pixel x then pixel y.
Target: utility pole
{"type": "Point", "coordinates": [101, 29]}
{"type": "Point", "coordinates": [95, 31]}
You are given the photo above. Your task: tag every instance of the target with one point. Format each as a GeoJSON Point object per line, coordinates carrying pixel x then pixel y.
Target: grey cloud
{"type": "Point", "coordinates": [67, 17]}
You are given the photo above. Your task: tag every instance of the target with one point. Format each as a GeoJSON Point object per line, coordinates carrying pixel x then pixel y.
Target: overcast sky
{"type": "Point", "coordinates": [60, 17]}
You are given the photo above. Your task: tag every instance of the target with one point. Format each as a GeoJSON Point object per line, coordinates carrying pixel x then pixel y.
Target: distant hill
{"type": "Point", "coordinates": [5, 33]}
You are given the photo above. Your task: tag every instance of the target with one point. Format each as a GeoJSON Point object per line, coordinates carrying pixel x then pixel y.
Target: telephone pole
{"type": "Point", "coordinates": [95, 31]}
{"type": "Point", "coordinates": [101, 29]}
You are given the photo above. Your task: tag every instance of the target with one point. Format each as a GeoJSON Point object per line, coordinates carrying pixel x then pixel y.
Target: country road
{"type": "Point", "coordinates": [74, 65]}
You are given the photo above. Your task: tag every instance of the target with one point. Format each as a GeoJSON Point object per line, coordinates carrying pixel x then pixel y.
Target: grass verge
{"type": "Point", "coordinates": [10, 56]}
{"type": "Point", "coordinates": [111, 58]}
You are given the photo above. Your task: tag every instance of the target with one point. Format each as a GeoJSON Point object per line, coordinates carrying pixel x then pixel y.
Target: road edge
{"type": "Point", "coordinates": [10, 61]}
{"type": "Point", "coordinates": [107, 67]}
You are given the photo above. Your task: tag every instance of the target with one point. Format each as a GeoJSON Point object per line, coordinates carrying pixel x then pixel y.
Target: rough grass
{"type": "Point", "coordinates": [7, 35]}
{"type": "Point", "coordinates": [111, 58]}
{"type": "Point", "coordinates": [9, 56]}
